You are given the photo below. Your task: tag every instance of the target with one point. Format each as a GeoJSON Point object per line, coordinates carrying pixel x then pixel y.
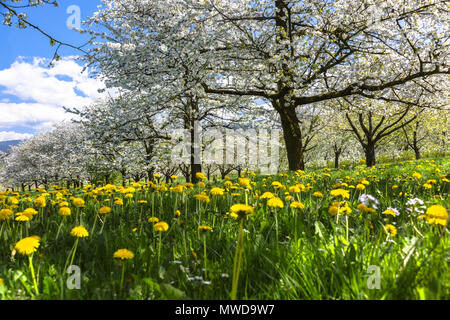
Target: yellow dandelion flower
{"type": "Point", "coordinates": [64, 211]}
{"type": "Point", "coordinates": [21, 217]}
{"type": "Point", "coordinates": [241, 210]}
{"type": "Point", "coordinates": [416, 175]}
{"type": "Point", "coordinates": [267, 195]}
{"type": "Point", "coordinates": [178, 189]}
{"type": "Point", "coordinates": [363, 208]}
{"type": "Point", "coordinates": [297, 205]}
{"type": "Point", "coordinates": [13, 201]}
{"type": "Point", "coordinates": [40, 202]}
{"type": "Point", "coordinates": [28, 245]}
{"type": "Point", "coordinates": [104, 210]}
{"type": "Point", "coordinates": [30, 211]}
{"type": "Point", "coordinates": [275, 202]}
{"type": "Point", "coordinates": [390, 212]}
{"type": "Point", "coordinates": [78, 202]}
{"type": "Point", "coordinates": [202, 197]}
{"type": "Point", "coordinates": [245, 182]}
{"type": "Point", "coordinates": [200, 176]}
{"type": "Point", "coordinates": [153, 219]}
{"type": "Point", "coordinates": [204, 228]}
{"type": "Point", "coordinates": [318, 194]}
{"type": "Point", "coordinates": [217, 191]}
{"type": "Point", "coordinates": [201, 184]}
{"type": "Point", "coordinates": [333, 210]}
{"type": "Point", "coordinates": [339, 208]}
{"type": "Point", "coordinates": [345, 194]}
{"type": "Point", "coordinates": [392, 230]}
{"type": "Point", "coordinates": [437, 214]}
{"type": "Point", "coordinates": [5, 214]}
{"type": "Point", "coordinates": [79, 232]}
{"type": "Point", "coordinates": [161, 226]}
{"type": "Point", "coordinates": [123, 254]}
{"type": "Point", "coordinates": [277, 185]}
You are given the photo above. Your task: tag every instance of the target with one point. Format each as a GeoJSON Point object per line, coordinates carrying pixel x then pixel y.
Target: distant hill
{"type": "Point", "coordinates": [5, 146]}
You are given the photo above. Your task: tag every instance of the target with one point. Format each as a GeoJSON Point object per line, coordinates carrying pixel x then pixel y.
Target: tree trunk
{"type": "Point", "coordinates": [124, 179]}
{"type": "Point", "coordinates": [293, 138]}
{"type": "Point", "coordinates": [415, 146]}
{"type": "Point", "coordinates": [187, 175]}
{"type": "Point", "coordinates": [336, 159]}
{"type": "Point", "coordinates": [370, 154]}
{"type": "Point", "coordinates": [417, 153]}
{"type": "Point", "coordinates": [151, 173]}
{"type": "Point", "coordinates": [196, 165]}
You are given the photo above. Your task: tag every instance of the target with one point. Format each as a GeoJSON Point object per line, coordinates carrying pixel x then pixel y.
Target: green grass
{"type": "Point", "coordinates": [317, 256]}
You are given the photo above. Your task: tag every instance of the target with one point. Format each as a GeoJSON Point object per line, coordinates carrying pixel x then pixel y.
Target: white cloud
{"type": "Point", "coordinates": [11, 135]}
{"type": "Point", "coordinates": [43, 91]}
{"type": "Point", "coordinates": [30, 113]}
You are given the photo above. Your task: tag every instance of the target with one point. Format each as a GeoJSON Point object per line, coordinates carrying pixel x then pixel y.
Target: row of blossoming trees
{"type": "Point", "coordinates": [339, 79]}
{"type": "Point", "coordinates": [70, 154]}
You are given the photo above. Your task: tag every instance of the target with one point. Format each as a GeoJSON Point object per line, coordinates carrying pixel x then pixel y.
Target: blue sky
{"type": "Point", "coordinates": [32, 94]}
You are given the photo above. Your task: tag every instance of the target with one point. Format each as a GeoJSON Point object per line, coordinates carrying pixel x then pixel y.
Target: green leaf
{"type": "Point", "coordinates": [318, 227]}
{"type": "Point", "coordinates": [172, 293]}
{"type": "Point", "coordinates": [162, 272]}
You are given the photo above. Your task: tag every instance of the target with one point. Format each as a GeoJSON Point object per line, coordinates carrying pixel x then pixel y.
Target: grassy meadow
{"type": "Point", "coordinates": [353, 233]}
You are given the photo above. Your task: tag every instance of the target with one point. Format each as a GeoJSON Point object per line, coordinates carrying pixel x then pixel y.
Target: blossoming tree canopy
{"type": "Point", "coordinates": [295, 53]}
{"type": "Point", "coordinates": [290, 53]}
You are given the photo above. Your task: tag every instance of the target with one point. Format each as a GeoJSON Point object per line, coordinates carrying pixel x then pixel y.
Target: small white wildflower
{"type": "Point", "coordinates": [369, 200]}
{"type": "Point", "coordinates": [414, 201]}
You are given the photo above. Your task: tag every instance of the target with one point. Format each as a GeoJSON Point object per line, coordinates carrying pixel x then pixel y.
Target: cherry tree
{"type": "Point", "coordinates": [427, 133]}
{"type": "Point", "coordinates": [296, 53]}
{"type": "Point", "coordinates": [335, 140]}
{"type": "Point", "coordinates": [152, 47]}
{"type": "Point", "coordinates": [55, 156]}
{"type": "Point", "coordinates": [116, 121]}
